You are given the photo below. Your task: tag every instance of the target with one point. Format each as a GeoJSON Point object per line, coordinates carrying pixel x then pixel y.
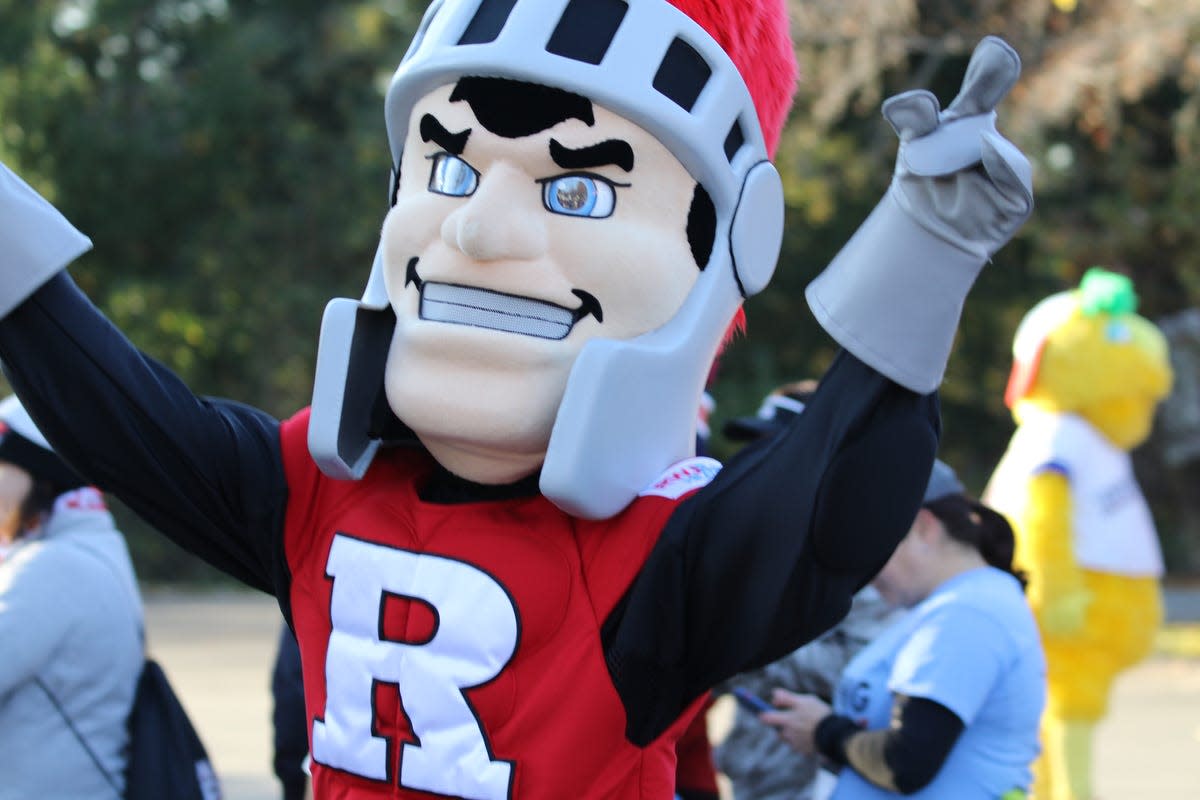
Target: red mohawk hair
{"type": "Point", "coordinates": [754, 34]}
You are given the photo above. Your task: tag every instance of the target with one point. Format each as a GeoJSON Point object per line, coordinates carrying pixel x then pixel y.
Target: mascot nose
{"type": "Point", "coordinates": [502, 220]}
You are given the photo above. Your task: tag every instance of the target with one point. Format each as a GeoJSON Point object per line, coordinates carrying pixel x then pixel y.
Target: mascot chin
{"type": "Point", "coordinates": [1088, 373]}
{"type": "Point", "coordinates": [508, 574]}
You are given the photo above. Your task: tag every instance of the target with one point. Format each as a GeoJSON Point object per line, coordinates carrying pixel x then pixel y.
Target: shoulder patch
{"type": "Point", "coordinates": [681, 478]}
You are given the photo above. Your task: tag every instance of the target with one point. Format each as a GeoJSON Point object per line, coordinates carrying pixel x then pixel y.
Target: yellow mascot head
{"type": "Point", "coordinates": [1087, 352]}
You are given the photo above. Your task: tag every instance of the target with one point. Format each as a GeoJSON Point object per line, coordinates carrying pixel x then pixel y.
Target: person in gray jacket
{"type": "Point", "coordinates": [70, 626]}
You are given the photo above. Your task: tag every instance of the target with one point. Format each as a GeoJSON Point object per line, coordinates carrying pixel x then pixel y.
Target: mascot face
{"type": "Point", "coordinates": [1112, 370]}
{"type": "Point", "coordinates": [523, 227]}
{"type": "Point", "coordinates": [1087, 352]}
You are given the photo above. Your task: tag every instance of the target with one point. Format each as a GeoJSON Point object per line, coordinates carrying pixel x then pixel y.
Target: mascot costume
{"type": "Point", "coordinates": [1087, 375]}
{"type": "Point", "coordinates": [508, 575]}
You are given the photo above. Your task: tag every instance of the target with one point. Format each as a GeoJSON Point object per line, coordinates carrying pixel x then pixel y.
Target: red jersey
{"type": "Point", "coordinates": [455, 650]}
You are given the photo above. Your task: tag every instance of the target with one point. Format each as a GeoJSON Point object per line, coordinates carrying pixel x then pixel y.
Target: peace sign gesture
{"type": "Point", "coordinates": [960, 190]}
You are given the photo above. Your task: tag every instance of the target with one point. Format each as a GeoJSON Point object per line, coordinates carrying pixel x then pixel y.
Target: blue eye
{"type": "Point", "coordinates": [579, 196]}
{"type": "Point", "coordinates": [1118, 333]}
{"type": "Point", "coordinates": [452, 176]}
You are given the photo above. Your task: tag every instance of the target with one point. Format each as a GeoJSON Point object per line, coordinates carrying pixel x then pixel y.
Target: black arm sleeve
{"type": "Point", "coordinates": [905, 757]}
{"type": "Point", "coordinates": [830, 737]}
{"type": "Point", "coordinates": [206, 472]}
{"type": "Point", "coordinates": [768, 556]}
{"type": "Point", "coordinates": [288, 719]}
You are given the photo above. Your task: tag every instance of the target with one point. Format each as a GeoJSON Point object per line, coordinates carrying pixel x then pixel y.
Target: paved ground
{"type": "Point", "coordinates": [217, 650]}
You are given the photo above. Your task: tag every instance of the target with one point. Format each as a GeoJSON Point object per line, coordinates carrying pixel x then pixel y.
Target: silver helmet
{"type": "Point", "coordinates": [629, 409]}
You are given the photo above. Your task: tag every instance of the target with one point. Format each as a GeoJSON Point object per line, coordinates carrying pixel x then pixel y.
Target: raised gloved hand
{"type": "Point", "coordinates": [894, 294]}
{"type": "Point", "coordinates": [36, 241]}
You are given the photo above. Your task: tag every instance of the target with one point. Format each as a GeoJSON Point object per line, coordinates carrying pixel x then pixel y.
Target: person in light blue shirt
{"type": "Point", "coordinates": [946, 703]}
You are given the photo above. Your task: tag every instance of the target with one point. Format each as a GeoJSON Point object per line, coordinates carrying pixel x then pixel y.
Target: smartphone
{"type": "Point", "coordinates": [750, 701]}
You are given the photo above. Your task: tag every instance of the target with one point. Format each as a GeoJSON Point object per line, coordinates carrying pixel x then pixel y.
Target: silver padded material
{"type": "Point", "coordinates": [894, 294]}
{"type": "Point", "coordinates": [609, 423]}
{"type": "Point", "coordinates": [38, 241]}
{"type": "Point", "coordinates": [639, 397]}
{"type": "Point", "coordinates": [757, 231]}
{"type": "Point", "coordinates": [896, 310]}
{"type": "Point", "coordinates": [334, 456]}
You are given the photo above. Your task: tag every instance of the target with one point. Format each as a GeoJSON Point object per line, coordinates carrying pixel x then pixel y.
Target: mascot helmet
{"type": "Point", "coordinates": [629, 408]}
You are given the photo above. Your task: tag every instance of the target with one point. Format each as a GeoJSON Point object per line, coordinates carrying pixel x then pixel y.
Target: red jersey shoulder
{"type": "Point", "coordinates": [293, 443]}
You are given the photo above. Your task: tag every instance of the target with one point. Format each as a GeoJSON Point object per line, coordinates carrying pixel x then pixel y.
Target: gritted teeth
{"type": "Point", "coordinates": [484, 308]}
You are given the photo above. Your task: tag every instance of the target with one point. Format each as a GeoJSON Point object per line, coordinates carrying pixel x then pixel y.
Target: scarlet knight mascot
{"type": "Point", "coordinates": [507, 575]}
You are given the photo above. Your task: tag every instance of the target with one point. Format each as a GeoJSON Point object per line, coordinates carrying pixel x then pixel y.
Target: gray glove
{"type": "Point", "coordinates": [36, 241]}
{"type": "Point", "coordinates": [893, 295]}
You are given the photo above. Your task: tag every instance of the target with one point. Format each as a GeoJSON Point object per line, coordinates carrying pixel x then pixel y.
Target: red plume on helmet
{"type": "Point", "coordinates": [754, 34]}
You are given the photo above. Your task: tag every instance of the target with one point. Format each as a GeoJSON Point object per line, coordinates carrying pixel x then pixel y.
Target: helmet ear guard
{"type": "Point", "coordinates": [629, 409]}
{"type": "Point", "coordinates": [756, 234]}
{"type": "Point", "coordinates": [350, 416]}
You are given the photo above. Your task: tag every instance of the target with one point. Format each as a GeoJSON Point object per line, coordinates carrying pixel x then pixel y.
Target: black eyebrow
{"type": "Point", "coordinates": [434, 131]}
{"type": "Point", "coordinates": [614, 151]}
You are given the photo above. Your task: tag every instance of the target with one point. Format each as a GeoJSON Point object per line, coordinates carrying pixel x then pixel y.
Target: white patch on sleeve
{"type": "Point", "coordinates": [678, 480]}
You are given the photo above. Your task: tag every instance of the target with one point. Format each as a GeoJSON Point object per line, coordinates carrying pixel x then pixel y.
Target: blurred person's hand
{"type": "Point", "coordinates": [797, 718]}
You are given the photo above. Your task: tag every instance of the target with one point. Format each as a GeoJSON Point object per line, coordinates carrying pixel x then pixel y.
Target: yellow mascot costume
{"type": "Point", "coordinates": [1087, 375]}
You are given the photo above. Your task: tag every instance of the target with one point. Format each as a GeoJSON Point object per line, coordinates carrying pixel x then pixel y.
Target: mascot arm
{"type": "Point", "coordinates": [207, 473]}
{"type": "Point", "coordinates": [893, 295]}
{"type": "Point", "coordinates": [1046, 550]}
{"type": "Point", "coordinates": [769, 555]}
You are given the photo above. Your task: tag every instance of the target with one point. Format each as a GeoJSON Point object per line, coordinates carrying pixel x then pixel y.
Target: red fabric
{"type": "Point", "coordinates": [552, 711]}
{"type": "Point", "coordinates": [755, 36]}
{"type": "Point", "coordinates": [1022, 377]}
{"type": "Point", "coordinates": [695, 771]}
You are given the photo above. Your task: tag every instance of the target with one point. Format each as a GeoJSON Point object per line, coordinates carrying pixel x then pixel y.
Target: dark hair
{"type": "Point", "coordinates": [983, 528]}
{"type": "Point", "coordinates": [40, 500]}
{"type": "Point", "coordinates": [513, 109]}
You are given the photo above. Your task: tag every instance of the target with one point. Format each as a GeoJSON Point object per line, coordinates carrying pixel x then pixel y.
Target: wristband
{"type": "Point", "coordinates": [831, 735]}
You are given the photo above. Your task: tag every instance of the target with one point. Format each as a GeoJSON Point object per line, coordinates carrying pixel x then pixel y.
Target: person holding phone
{"type": "Point", "coordinates": [945, 703]}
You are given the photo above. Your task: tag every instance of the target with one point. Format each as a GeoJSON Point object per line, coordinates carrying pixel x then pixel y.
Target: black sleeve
{"type": "Point", "coordinates": [768, 556]}
{"type": "Point", "coordinates": [906, 756]}
{"type": "Point", "coordinates": [206, 472]}
{"type": "Point", "coordinates": [288, 719]}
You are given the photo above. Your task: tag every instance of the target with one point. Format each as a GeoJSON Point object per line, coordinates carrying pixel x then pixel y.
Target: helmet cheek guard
{"type": "Point", "coordinates": [629, 409]}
